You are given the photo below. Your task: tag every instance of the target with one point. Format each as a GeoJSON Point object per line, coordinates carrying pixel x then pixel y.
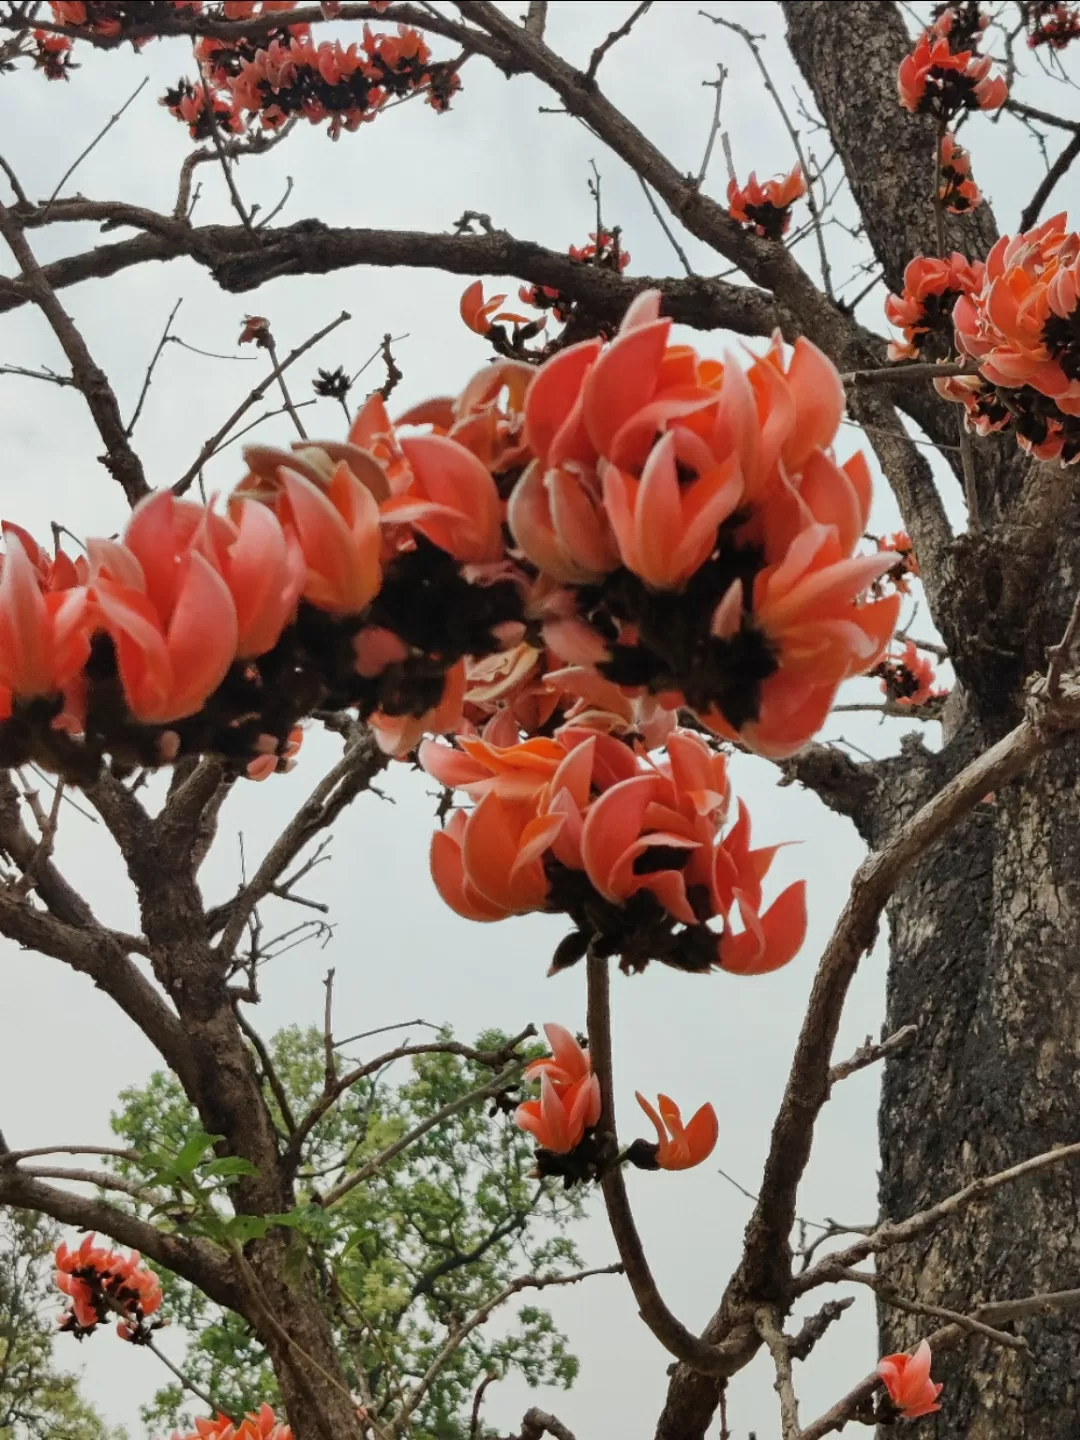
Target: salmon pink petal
{"type": "Point", "coordinates": [551, 401]}
{"type": "Point", "coordinates": [644, 309]}
{"type": "Point", "coordinates": [448, 872]}
{"type": "Point", "coordinates": [769, 941]}
{"type": "Point", "coordinates": [450, 475]}
{"type": "Point", "coordinates": [614, 823]}
{"type": "Point", "coordinates": [202, 637]}
{"type": "Point", "coordinates": [449, 766]}
{"type": "Point", "coordinates": [623, 380]}
{"type": "Point", "coordinates": [819, 403]}
{"type": "Point", "coordinates": [566, 1051]}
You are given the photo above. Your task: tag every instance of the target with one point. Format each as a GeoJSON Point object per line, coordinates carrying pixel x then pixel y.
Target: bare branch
{"type": "Point", "coordinates": [900, 1232]}
{"type": "Point", "coordinates": [478, 1318]}
{"type": "Point", "coordinates": [1033, 209]}
{"type": "Point", "coordinates": [119, 459]}
{"type": "Point", "coordinates": [165, 338]}
{"type": "Point", "coordinates": [668, 1329]}
{"type": "Point", "coordinates": [536, 18]}
{"type": "Point", "coordinates": [714, 128]}
{"type": "Point", "coordinates": [93, 144]}
{"type": "Point", "coordinates": [501, 1082]}
{"type": "Point", "coordinates": [888, 1296]}
{"type": "Point", "coordinates": [768, 1327]}
{"type": "Point", "coordinates": [814, 1327]}
{"type": "Point", "coordinates": [335, 1086]}
{"type": "Point", "coordinates": [869, 1054]}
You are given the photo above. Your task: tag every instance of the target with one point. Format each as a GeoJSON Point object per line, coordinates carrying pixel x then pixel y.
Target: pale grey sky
{"type": "Point", "coordinates": [398, 952]}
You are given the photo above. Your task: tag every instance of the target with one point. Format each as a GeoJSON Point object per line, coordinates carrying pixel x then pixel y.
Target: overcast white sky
{"type": "Point", "coordinates": [398, 952]}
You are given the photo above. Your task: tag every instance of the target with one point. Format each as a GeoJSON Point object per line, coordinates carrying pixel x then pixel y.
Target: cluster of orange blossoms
{"type": "Point", "coordinates": [1021, 327]}
{"type": "Point", "coordinates": [578, 551]}
{"type": "Point", "coordinates": [908, 678]}
{"type": "Point", "coordinates": [1051, 22]}
{"type": "Point", "coordinates": [564, 1118]}
{"type": "Point", "coordinates": [283, 73]}
{"type": "Point", "coordinates": [766, 208]}
{"type": "Point", "coordinates": [100, 1283]}
{"type": "Point", "coordinates": [630, 847]}
{"type": "Point", "coordinates": [957, 191]}
{"type": "Point", "coordinates": [924, 310]}
{"type": "Point", "coordinates": [944, 74]}
{"type": "Point", "coordinates": [261, 1424]}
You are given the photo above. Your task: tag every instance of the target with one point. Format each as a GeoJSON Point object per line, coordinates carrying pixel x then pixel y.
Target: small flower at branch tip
{"type": "Point", "coordinates": [569, 1102]}
{"type": "Point", "coordinates": [256, 331]}
{"type": "Point", "coordinates": [907, 1380]}
{"type": "Point", "coordinates": [766, 208]}
{"type": "Point", "coordinates": [480, 314]}
{"type": "Point", "coordinates": [98, 1282]}
{"type": "Point", "coordinates": [678, 1146]}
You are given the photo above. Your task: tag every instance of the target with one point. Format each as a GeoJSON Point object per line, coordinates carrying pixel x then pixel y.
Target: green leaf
{"type": "Point", "coordinates": [194, 1148]}
{"type": "Point", "coordinates": [228, 1167]}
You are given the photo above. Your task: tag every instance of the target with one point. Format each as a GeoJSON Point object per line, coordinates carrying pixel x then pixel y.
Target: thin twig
{"type": "Point", "coordinates": [870, 1054]}
{"type": "Point", "coordinates": [213, 444]}
{"type": "Point", "coordinates": [714, 128]}
{"type": "Point", "coordinates": [967, 462]}
{"type": "Point", "coordinates": [50, 375]}
{"type": "Point", "coordinates": [679, 251]}
{"type": "Point", "coordinates": [613, 39]}
{"type": "Point", "coordinates": [185, 1380]}
{"type": "Point", "coordinates": [479, 1317]}
{"type": "Point", "coordinates": [165, 337]}
{"type": "Point", "coordinates": [1060, 167]}
{"type": "Point", "coordinates": [286, 397]}
{"type": "Point", "coordinates": [900, 1232]}
{"type": "Point", "coordinates": [902, 374]}
{"type": "Point", "coordinates": [94, 142]}
{"type": "Point", "coordinates": [501, 1082]}
{"type": "Point", "coordinates": [888, 1296]}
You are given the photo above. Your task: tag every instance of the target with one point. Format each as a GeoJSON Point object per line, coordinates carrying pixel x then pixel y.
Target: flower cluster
{"type": "Point", "coordinates": [944, 74]}
{"type": "Point", "coordinates": [604, 250]}
{"type": "Point", "coordinates": [1021, 326]}
{"type": "Point", "coordinates": [563, 1120]}
{"type": "Point", "coordinates": [111, 20]}
{"type": "Point", "coordinates": [906, 567]}
{"type": "Point", "coordinates": [635, 850]}
{"type": "Point", "coordinates": [907, 1380]}
{"type": "Point", "coordinates": [100, 1283]}
{"type": "Point", "coordinates": [679, 537]}
{"type": "Point", "coordinates": [261, 1424]}
{"type": "Point", "coordinates": [281, 73]}
{"type": "Point", "coordinates": [1051, 22]}
{"type": "Point", "coordinates": [957, 191]}
{"type": "Point", "coordinates": [924, 310]}
{"type": "Point", "coordinates": [908, 678]}
{"type": "Point", "coordinates": [766, 209]}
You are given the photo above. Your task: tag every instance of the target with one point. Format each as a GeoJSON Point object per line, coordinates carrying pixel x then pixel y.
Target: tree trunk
{"type": "Point", "coordinates": [985, 940]}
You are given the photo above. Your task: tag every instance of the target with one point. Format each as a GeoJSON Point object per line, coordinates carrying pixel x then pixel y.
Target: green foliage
{"type": "Point", "coordinates": [403, 1257]}
{"type": "Point", "coordinates": [37, 1401]}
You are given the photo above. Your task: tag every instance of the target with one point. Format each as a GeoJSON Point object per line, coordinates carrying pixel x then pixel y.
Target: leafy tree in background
{"type": "Point", "coordinates": [446, 1224]}
{"type": "Point", "coordinates": [38, 1401]}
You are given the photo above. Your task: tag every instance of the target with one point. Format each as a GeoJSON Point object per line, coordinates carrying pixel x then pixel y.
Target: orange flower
{"type": "Point", "coordinates": [569, 1102]}
{"type": "Point", "coordinates": [958, 191]}
{"type": "Point", "coordinates": [265, 571]}
{"type": "Point", "coordinates": [931, 289]}
{"type": "Point", "coordinates": [479, 314]}
{"type": "Point", "coordinates": [261, 1424]}
{"type": "Point", "coordinates": [559, 521]}
{"type": "Point", "coordinates": [451, 499]}
{"type": "Point", "coordinates": [1017, 326]}
{"type": "Point", "coordinates": [909, 678]}
{"type": "Point", "coordinates": [935, 80]}
{"type": "Point", "coordinates": [44, 638]}
{"type": "Point", "coordinates": [338, 532]}
{"type": "Point", "coordinates": [907, 1379]}
{"type": "Point", "coordinates": [488, 864]}
{"type": "Point", "coordinates": [766, 208]}
{"type": "Point", "coordinates": [99, 1282]}
{"type": "Point", "coordinates": [678, 1147]}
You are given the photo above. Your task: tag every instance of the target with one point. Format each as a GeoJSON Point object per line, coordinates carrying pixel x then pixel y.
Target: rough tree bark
{"type": "Point", "coordinates": [986, 931]}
